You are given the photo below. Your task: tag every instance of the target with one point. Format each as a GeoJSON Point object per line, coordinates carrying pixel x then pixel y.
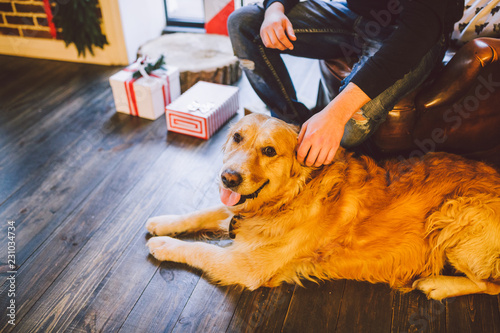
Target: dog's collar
{"type": "Point", "coordinates": [232, 225]}
{"type": "Point", "coordinates": [254, 195]}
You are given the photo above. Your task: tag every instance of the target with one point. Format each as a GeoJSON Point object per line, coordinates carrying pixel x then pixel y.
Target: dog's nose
{"type": "Point", "coordinates": [231, 178]}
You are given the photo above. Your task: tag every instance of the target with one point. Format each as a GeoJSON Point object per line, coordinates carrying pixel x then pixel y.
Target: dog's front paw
{"type": "Point", "coordinates": [433, 287]}
{"type": "Point", "coordinates": [164, 248]}
{"type": "Point", "coordinates": [165, 225]}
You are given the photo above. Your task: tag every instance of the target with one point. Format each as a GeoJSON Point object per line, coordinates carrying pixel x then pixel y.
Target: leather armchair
{"type": "Point", "coordinates": [456, 110]}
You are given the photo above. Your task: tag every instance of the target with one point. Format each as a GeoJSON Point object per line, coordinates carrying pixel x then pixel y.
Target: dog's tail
{"type": "Point", "coordinates": [465, 232]}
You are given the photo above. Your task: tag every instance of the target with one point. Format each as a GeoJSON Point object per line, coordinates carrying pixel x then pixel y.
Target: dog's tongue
{"type": "Point", "coordinates": [228, 197]}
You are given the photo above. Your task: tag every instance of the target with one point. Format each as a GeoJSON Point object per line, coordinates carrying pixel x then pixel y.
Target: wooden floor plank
{"type": "Point", "coordinates": [160, 305]}
{"type": "Point", "coordinates": [44, 93]}
{"type": "Point", "coordinates": [112, 301]}
{"type": "Point", "coordinates": [413, 312]}
{"type": "Point", "coordinates": [315, 307]}
{"type": "Point", "coordinates": [51, 137]}
{"type": "Point", "coordinates": [365, 308]}
{"type": "Point", "coordinates": [31, 75]}
{"type": "Point", "coordinates": [12, 67]}
{"type": "Point", "coordinates": [56, 105]}
{"type": "Point", "coordinates": [473, 313]}
{"type": "Point", "coordinates": [262, 310]}
{"type": "Point", "coordinates": [209, 308]}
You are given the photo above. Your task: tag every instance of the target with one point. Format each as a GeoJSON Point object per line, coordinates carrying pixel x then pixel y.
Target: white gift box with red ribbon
{"type": "Point", "coordinates": [148, 95]}
{"type": "Point", "coordinates": [202, 109]}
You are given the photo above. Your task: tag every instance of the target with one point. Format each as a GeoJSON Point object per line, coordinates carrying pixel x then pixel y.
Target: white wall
{"type": "Point", "coordinates": [141, 21]}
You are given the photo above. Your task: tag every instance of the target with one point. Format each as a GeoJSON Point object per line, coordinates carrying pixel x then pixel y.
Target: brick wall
{"type": "Point", "coordinates": [25, 18]}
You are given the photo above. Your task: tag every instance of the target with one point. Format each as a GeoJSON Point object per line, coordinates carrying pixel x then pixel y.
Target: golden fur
{"type": "Point", "coordinates": [395, 222]}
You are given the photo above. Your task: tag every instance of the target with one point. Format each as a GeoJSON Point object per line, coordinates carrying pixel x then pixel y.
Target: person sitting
{"type": "Point", "coordinates": [397, 44]}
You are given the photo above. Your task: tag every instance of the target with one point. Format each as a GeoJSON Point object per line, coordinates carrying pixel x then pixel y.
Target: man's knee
{"type": "Point", "coordinates": [355, 132]}
{"type": "Point", "coordinates": [245, 18]}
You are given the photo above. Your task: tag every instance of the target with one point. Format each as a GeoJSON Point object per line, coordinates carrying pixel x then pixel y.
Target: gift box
{"type": "Point", "coordinates": [202, 109]}
{"type": "Point", "coordinates": [143, 90]}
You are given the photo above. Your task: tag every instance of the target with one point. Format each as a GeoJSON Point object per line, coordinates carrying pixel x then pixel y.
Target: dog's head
{"type": "Point", "coordinates": [259, 160]}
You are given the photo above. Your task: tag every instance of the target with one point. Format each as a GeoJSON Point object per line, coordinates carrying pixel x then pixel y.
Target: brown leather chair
{"type": "Point", "coordinates": [456, 110]}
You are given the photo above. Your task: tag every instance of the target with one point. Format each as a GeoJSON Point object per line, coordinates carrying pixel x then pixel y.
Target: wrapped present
{"type": "Point", "coordinates": [144, 89]}
{"type": "Point", "coordinates": [202, 109]}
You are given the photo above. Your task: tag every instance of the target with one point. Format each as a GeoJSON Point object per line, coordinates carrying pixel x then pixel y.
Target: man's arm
{"type": "Point", "coordinates": [320, 136]}
{"type": "Point", "coordinates": [420, 25]}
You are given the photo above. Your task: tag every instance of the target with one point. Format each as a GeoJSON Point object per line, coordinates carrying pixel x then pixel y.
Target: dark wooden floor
{"type": "Point", "coordinates": [79, 182]}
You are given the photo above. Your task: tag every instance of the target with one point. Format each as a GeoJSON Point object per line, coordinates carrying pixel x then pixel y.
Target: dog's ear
{"type": "Point", "coordinates": [296, 169]}
{"type": "Point", "coordinates": [295, 128]}
{"type": "Point", "coordinates": [293, 135]}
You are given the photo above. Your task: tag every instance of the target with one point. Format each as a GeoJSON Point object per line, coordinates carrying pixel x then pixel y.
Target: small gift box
{"type": "Point", "coordinates": [144, 89]}
{"type": "Point", "coordinates": [202, 109]}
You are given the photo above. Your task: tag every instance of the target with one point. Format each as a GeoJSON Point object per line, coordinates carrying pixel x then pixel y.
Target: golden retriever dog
{"type": "Point", "coordinates": [394, 222]}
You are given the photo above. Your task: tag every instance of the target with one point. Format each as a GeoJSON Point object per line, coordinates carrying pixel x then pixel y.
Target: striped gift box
{"type": "Point", "coordinates": [145, 97]}
{"type": "Point", "coordinates": [202, 109]}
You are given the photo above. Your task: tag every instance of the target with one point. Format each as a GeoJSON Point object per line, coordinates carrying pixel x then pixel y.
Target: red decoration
{"type": "Point", "coordinates": [48, 11]}
{"type": "Point", "coordinates": [217, 21]}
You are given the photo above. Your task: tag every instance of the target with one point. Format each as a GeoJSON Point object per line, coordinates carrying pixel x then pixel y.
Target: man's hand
{"type": "Point", "coordinates": [320, 136]}
{"type": "Point", "coordinates": [276, 31]}
{"type": "Point", "coordinates": [319, 139]}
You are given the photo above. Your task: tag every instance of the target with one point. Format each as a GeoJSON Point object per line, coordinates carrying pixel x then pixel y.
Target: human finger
{"type": "Point", "coordinates": [265, 39]}
{"type": "Point", "coordinates": [321, 158]}
{"type": "Point", "coordinates": [302, 132]}
{"type": "Point", "coordinates": [289, 30]}
{"type": "Point", "coordinates": [303, 151]}
{"type": "Point", "coordinates": [283, 38]}
{"type": "Point", "coordinates": [312, 156]}
{"type": "Point", "coordinates": [331, 155]}
{"type": "Point", "coordinates": [276, 41]}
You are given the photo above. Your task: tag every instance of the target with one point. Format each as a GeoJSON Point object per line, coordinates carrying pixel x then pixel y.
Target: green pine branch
{"type": "Point", "coordinates": [80, 24]}
{"type": "Point", "coordinates": [150, 67]}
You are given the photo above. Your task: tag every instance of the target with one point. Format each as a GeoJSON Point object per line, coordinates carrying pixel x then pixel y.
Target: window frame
{"type": "Point", "coordinates": [182, 23]}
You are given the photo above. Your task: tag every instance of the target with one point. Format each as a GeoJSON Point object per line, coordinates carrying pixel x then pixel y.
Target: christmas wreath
{"type": "Point", "coordinates": [79, 23]}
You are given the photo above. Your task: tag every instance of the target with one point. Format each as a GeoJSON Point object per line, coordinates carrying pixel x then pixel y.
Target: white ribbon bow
{"type": "Point", "coordinates": [204, 108]}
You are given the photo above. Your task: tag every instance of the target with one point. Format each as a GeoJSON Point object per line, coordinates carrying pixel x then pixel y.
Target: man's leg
{"type": "Point", "coordinates": [321, 28]}
{"type": "Point", "coordinates": [359, 128]}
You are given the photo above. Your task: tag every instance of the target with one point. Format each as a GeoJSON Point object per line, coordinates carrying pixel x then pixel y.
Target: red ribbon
{"type": "Point", "coordinates": [165, 89]}
{"type": "Point", "coordinates": [129, 89]}
{"type": "Point", "coordinates": [132, 102]}
{"type": "Point", "coordinates": [48, 11]}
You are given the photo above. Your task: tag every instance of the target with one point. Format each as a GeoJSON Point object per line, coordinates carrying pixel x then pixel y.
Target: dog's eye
{"type": "Point", "coordinates": [269, 151]}
{"type": "Point", "coordinates": [237, 137]}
